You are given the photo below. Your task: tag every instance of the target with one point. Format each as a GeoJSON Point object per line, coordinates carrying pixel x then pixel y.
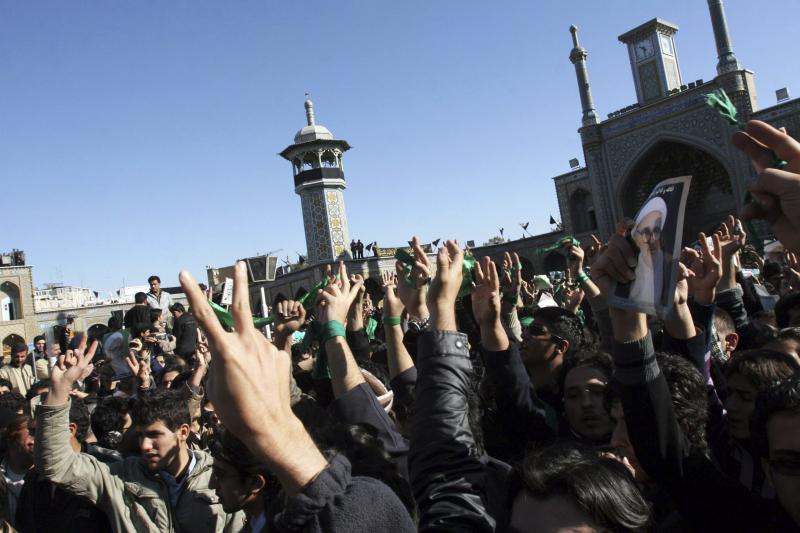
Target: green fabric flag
{"type": "Point", "coordinates": [226, 319]}
{"type": "Point", "coordinates": [372, 325]}
{"type": "Point", "coordinates": [555, 246]}
{"type": "Point", "coordinates": [408, 265]}
{"type": "Point", "coordinates": [719, 101]}
{"type": "Point", "coordinates": [467, 271]}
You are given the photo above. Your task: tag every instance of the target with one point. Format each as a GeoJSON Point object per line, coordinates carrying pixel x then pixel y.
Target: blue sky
{"type": "Point", "coordinates": [142, 137]}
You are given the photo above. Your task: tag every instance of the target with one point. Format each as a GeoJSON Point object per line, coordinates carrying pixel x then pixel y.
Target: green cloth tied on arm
{"type": "Point", "coordinates": [719, 101]}
{"type": "Point", "coordinates": [372, 325]}
{"type": "Point", "coordinates": [560, 244]}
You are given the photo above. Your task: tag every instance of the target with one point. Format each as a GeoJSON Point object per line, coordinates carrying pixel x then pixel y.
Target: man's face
{"type": "Point", "coordinates": [155, 286]}
{"type": "Point", "coordinates": [783, 466]}
{"type": "Point", "coordinates": [54, 350]}
{"type": "Point", "coordinates": [19, 358]}
{"type": "Point", "coordinates": [739, 405]}
{"type": "Point", "coordinates": [22, 446]}
{"type": "Point", "coordinates": [176, 314]}
{"type": "Point", "coordinates": [584, 389]}
{"type": "Point", "coordinates": [621, 441]}
{"type": "Point", "coordinates": [40, 346]}
{"type": "Point", "coordinates": [538, 345]}
{"type": "Point", "coordinates": [648, 232]}
{"type": "Point", "coordinates": [233, 490]}
{"type": "Point", "coordinates": [160, 446]}
{"type": "Point", "coordinates": [168, 378]}
{"type": "Point", "coordinates": [786, 345]}
{"type": "Point", "coordinates": [4, 390]}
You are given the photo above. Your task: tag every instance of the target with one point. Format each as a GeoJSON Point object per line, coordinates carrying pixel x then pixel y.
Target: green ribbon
{"type": "Point", "coordinates": [719, 101]}
{"type": "Point", "coordinates": [467, 272]}
{"type": "Point", "coordinates": [372, 325]}
{"type": "Point", "coordinates": [392, 320]}
{"type": "Point", "coordinates": [309, 299]}
{"type": "Point", "coordinates": [331, 329]}
{"type": "Point", "coordinates": [561, 243]}
{"type": "Point", "coordinates": [408, 265]}
{"type": "Point", "coordinates": [226, 319]}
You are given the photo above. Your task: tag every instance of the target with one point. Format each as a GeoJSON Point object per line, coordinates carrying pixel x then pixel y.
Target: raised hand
{"type": "Point", "coordinates": [486, 293]}
{"type": "Point", "coordinates": [249, 386]}
{"type": "Point", "coordinates": [572, 298]}
{"type": "Point", "coordinates": [64, 375]}
{"type": "Point", "coordinates": [791, 272]}
{"type": "Point", "coordinates": [707, 268]}
{"type": "Point", "coordinates": [575, 261]}
{"type": "Point", "coordinates": [392, 305]}
{"type": "Point", "coordinates": [594, 250]}
{"type": "Point", "coordinates": [289, 316]}
{"type": "Point", "coordinates": [141, 369]}
{"type": "Point", "coordinates": [414, 295]}
{"type": "Point", "coordinates": [335, 301]}
{"type": "Point", "coordinates": [355, 318]}
{"type": "Point", "coordinates": [776, 192]}
{"type": "Point", "coordinates": [617, 262]}
{"type": "Point", "coordinates": [445, 286]}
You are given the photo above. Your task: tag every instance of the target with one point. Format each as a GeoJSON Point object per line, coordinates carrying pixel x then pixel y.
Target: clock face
{"type": "Point", "coordinates": [644, 49]}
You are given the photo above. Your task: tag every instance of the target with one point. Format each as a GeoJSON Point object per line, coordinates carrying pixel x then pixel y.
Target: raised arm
{"type": "Point", "coordinates": [447, 474]}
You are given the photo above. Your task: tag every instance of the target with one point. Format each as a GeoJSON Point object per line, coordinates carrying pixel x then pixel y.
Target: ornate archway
{"type": "Point", "coordinates": [10, 303]}
{"type": "Point", "coordinates": [711, 195]}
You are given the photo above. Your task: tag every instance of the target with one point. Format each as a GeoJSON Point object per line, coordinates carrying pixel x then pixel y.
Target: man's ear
{"type": "Point", "coordinates": [257, 484]}
{"type": "Point", "coordinates": [73, 429]}
{"type": "Point", "coordinates": [563, 346]}
{"type": "Point", "coordinates": [183, 432]}
{"type": "Point", "coordinates": [731, 342]}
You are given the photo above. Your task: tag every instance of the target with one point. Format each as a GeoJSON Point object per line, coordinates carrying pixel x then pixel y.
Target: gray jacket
{"type": "Point", "coordinates": [135, 499]}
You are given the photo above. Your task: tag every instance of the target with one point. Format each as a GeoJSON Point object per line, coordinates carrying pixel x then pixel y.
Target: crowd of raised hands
{"type": "Point", "coordinates": [491, 401]}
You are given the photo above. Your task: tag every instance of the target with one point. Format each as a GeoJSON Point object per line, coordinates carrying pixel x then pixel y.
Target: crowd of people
{"type": "Point", "coordinates": [464, 398]}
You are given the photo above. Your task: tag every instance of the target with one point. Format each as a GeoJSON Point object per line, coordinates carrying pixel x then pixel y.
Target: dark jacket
{"type": "Point", "coordinates": [457, 488]}
{"type": "Point", "coordinates": [45, 508]}
{"type": "Point", "coordinates": [138, 314]}
{"type": "Point", "coordinates": [697, 487]}
{"type": "Point", "coordinates": [185, 331]}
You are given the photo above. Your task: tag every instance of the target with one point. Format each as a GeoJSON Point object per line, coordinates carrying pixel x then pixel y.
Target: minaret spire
{"type": "Point", "coordinates": [309, 110]}
{"type": "Point", "coordinates": [727, 60]}
{"type": "Point", "coordinates": [578, 57]}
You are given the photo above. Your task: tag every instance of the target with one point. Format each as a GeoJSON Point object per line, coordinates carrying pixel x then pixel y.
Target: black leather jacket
{"type": "Point", "coordinates": [455, 486]}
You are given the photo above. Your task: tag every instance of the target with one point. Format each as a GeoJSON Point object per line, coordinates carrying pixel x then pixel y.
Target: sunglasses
{"type": "Point", "coordinates": [538, 330]}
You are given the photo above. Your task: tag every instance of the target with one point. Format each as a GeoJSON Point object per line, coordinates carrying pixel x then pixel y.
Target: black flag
{"type": "Point", "coordinates": [552, 220]}
{"type": "Point", "coordinates": [501, 231]}
{"type": "Point", "coordinates": [369, 247]}
{"type": "Point", "coordinates": [435, 243]}
{"type": "Point", "coordinates": [525, 225]}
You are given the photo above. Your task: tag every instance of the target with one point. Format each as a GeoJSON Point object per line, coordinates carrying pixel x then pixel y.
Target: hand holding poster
{"type": "Point", "coordinates": [656, 233]}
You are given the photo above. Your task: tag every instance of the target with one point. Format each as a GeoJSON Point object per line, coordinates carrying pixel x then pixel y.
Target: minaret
{"type": "Point", "coordinates": [316, 159]}
{"type": "Point", "coordinates": [578, 57]}
{"type": "Point", "coordinates": [727, 60]}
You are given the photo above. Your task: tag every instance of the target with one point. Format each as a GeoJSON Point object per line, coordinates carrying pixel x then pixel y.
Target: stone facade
{"type": "Point", "coordinates": [16, 293]}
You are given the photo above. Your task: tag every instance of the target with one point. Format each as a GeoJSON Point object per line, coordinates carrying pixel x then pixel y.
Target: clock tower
{"type": "Point", "coordinates": [654, 59]}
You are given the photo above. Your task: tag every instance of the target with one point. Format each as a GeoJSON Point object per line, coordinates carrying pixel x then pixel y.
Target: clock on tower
{"type": "Point", "coordinates": [654, 62]}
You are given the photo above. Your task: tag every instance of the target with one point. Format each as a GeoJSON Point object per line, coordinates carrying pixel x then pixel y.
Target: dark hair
{"type": "Point", "coordinates": [13, 400]}
{"type": "Point", "coordinates": [79, 415]}
{"type": "Point", "coordinates": [689, 397]}
{"type": "Point", "coordinates": [153, 278]}
{"type": "Point", "coordinates": [41, 384]}
{"type": "Point", "coordinates": [155, 314]}
{"type": "Point", "coordinates": [108, 420]}
{"type": "Point", "coordinates": [38, 338]}
{"type": "Point", "coordinates": [6, 383]}
{"type": "Point", "coordinates": [723, 322]}
{"type": "Point", "coordinates": [8, 433]}
{"type": "Point", "coordinates": [784, 307]}
{"type": "Point", "coordinates": [177, 306]}
{"type": "Point", "coordinates": [140, 298]}
{"type": "Point", "coordinates": [114, 323]}
{"type": "Point", "coordinates": [780, 397]}
{"type": "Point", "coordinates": [601, 487]}
{"type": "Point", "coordinates": [141, 327]}
{"type": "Point", "coordinates": [762, 367]}
{"type": "Point", "coordinates": [562, 323]}
{"type": "Point", "coordinates": [173, 363]}
{"type": "Point", "coordinates": [584, 357]}
{"type": "Point", "coordinates": [162, 405]}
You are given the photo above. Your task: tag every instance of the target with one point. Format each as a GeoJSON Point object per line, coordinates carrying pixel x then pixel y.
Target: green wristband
{"type": "Point", "coordinates": [583, 277]}
{"type": "Point", "coordinates": [331, 329]}
{"type": "Point", "coordinates": [392, 320]}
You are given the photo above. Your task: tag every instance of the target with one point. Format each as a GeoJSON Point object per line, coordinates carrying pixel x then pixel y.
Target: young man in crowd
{"type": "Point", "coordinates": [156, 298]}
{"type": "Point", "coordinates": [19, 374]}
{"type": "Point", "coordinates": [139, 313]}
{"type": "Point", "coordinates": [164, 489]}
{"type": "Point", "coordinates": [184, 328]}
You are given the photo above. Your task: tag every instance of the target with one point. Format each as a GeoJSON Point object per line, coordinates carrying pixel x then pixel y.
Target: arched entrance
{"type": "Point", "coordinates": [8, 342]}
{"type": "Point", "coordinates": [10, 304]}
{"type": "Point", "coordinates": [581, 210]}
{"type": "Point", "coordinates": [555, 262]}
{"type": "Point", "coordinates": [710, 196]}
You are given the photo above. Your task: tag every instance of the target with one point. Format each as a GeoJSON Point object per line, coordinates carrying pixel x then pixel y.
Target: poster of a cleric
{"type": "Point", "coordinates": [656, 234]}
